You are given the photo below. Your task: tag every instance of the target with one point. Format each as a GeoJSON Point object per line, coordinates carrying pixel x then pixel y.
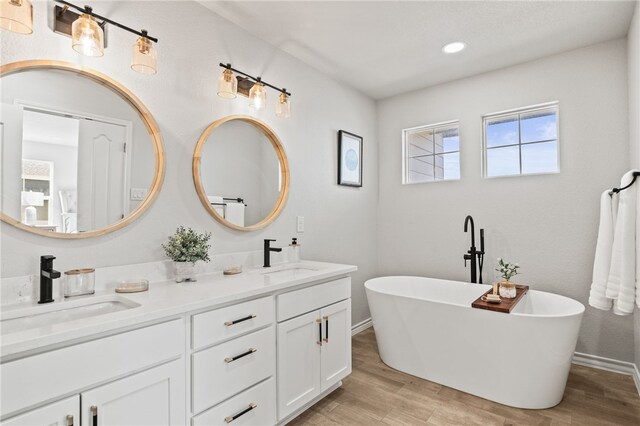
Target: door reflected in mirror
{"type": "Point", "coordinates": [241, 172]}
{"type": "Point", "coordinates": [78, 152]}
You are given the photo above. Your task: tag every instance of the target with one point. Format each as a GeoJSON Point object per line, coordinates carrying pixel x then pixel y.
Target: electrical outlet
{"type": "Point", "coordinates": [138, 194]}
{"type": "Point", "coordinates": [300, 224]}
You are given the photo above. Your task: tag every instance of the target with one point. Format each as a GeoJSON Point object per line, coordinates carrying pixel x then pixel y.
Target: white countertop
{"type": "Point", "coordinates": [164, 300]}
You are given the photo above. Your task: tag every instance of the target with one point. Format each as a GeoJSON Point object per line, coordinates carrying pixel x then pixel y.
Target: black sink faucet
{"type": "Point", "coordinates": [267, 252]}
{"type": "Point", "coordinates": [475, 256]}
{"type": "Point", "coordinates": [47, 275]}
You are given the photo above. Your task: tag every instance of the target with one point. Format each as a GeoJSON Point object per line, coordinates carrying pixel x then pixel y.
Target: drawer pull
{"type": "Point", "coordinates": [251, 406]}
{"type": "Point", "coordinates": [94, 415]}
{"type": "Point", "coordinates": [234, 322]}
{"type": "Point", "coordinates": [242, 355]}
{"type": "Point", "coordinates": [319, 321]}
{"type": "Point", "coordinates": [69, 420]}
{"type": "Point", "coordinates": [326, 329]}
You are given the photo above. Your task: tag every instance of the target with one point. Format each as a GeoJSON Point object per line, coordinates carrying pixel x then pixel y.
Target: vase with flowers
{"type": "Point", "coordinates": [507, 289]}
{"type": "Point", "coordinates": [185, 248]}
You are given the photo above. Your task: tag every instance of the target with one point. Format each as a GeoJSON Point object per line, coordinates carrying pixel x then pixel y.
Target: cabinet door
{"type": "Point", "coordinates": [61, 413]}
{"type": "Point", "coordinates": [298, 362]}
{"type": "Point", "coordinates": [336, 343]}
{"type": "Point", "coordinates": [154, 397]}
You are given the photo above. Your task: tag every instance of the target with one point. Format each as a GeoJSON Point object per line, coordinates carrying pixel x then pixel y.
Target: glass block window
{"type": "Point", "coordinates": [431, 153]}
{"type": "Point", "coordinates": [521, 142]}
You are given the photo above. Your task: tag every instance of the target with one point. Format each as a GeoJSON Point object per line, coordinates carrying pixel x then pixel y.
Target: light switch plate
{"type": "Point", "coordinates": [300, 224]}
{"type": "Point", "coordinates": [138, 194]}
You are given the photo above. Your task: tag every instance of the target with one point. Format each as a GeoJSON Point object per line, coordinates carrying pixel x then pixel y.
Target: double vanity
{"type": "Point", "coordinates": [251, 349]}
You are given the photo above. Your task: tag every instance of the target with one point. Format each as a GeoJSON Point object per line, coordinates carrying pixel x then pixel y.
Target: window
{"type": "Point", "coordinates": [521, 142]}
{"type": "Point", "coordinates": [431, 153]}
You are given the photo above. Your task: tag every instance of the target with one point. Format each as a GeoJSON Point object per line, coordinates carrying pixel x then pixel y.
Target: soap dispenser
{"type": "Point", "coordinates": [294, 251]}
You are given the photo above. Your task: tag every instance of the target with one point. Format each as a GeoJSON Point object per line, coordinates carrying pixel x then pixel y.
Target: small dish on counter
{"type": "Point", "coordinates": [132, 286]}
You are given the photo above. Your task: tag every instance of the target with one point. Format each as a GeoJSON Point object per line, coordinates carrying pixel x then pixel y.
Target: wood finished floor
{"type": "Point", "coordinates": [376, 394]}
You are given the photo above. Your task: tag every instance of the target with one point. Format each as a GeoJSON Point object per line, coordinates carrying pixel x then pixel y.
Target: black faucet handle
{"type": "Point", "coordinates": [47, 258]}
{"type": "Point", "coordinates": [268, 239]}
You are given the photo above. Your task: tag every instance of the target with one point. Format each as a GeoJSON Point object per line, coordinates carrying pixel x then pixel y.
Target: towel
{"type": "Point", "coordinates": [234, 213]}
{"type": "Point", "coordinates": [604, 245]}
{"type": "Point", "coordinates": [218, 207]}
{"type": "Point", "coordinates": [621, 283]}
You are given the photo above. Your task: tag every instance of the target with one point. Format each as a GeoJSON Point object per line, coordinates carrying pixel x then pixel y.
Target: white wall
{"type": "Point", "coordinates": [633, 48]}
{"type": "Point", "coordinates": [546, 223]}
{"type": "Point", "coordinates": [340, 221]}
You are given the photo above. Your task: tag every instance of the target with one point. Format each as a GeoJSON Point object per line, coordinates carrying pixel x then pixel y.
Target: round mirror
{"type": "Point", "coordinates": [241, 172]}
{"type": "Point", "coordinates": [81, 155]}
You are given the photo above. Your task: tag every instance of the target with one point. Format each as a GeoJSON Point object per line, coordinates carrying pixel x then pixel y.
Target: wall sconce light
{"type": "Point", "coordinates": [87, 34]}
{"type": "Point", "coordinates": [87, 38]}
{"type": "Point", "coordinates": [254, 88]}
{"type": "Point", "coordinates": [144, 59]}
{"type": "Point", "coordinates": [16, 16]}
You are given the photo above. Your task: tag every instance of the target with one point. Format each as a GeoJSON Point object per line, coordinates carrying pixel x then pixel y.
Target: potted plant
{"type": "Point", "coordinates": [507, 270]}
{"type": "Point", "coordinates": [185, 248]}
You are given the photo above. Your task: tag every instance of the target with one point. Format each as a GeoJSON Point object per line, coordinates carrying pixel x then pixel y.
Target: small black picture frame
{"type": "Point", "coordinates": [349, 159]}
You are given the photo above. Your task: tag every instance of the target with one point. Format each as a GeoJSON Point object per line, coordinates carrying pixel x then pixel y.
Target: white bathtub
{"type": "Point", "coordinates": [426, 327]}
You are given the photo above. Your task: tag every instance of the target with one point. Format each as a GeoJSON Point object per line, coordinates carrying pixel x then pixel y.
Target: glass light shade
{"type": "Point", "coordinates": [145, 57]}
{"type": "Point", "coordinates": [87, 37]}
{"type": "Point", "coordinates": [257, 96]}
{"type": "Point", "coordinates": [227, 85]}
{"type": "Point", "coordinates": [16, 16]}
{"type": "Point", "coordinates": [283, 107]}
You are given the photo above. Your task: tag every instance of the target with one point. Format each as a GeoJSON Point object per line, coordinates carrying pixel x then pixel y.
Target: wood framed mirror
{"type": "Point", "coordinates": [241, 172]}
{"type": "Point", "coordinates": [81, 154]}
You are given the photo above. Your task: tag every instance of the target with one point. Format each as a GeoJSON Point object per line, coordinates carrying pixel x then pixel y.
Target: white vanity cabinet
{"type": "Point", "coordinates": [131, 378]}
{"type": "Point", "coordinates": [314, 343]}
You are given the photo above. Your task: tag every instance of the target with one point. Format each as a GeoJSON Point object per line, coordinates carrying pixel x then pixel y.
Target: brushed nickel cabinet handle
{"type": "Point", "coordinates": [234, 322]}
{"type": "Point", "coordinates": [242, 355]}
{"type": "Point", "coordinates": [319, 321]}
{"type": "Point", "coordinates": [326, 329]}
{"type": "Point", "coordinates": [94, 415]}
{"type": "Point", "coordinates": [69, 420]}
{"type": "Point", "coordinates": [229, 419]}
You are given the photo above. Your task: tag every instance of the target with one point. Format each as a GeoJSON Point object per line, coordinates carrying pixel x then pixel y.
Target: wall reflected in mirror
{"type": "Point", "coordinates": [241, 172]}
{"type": "Point", "coordinates": [76, 156]}
{"type": "Point", "coordinates": [239, 162]}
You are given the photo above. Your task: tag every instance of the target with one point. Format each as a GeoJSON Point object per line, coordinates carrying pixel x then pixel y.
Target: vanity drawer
{"type": "Point", "coordinates": [209, 328]}
{"type": "Point", "coordinates": [226, 369]}
{"type": "Point", "coordinates": [260, 399]}
{"type": "Point", "coordinates": [309, 299]}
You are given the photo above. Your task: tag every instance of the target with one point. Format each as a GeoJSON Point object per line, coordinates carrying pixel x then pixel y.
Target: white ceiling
{"type": "Point", "coordinates": [50, 129]}
{"type": "Point", "coordinates": [384, 48]}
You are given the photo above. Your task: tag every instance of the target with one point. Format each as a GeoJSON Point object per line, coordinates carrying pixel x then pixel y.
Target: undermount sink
{"type": "Point", "coordinates": [20, 319]}
{"type": "Point", "coordinates": [288, 271]}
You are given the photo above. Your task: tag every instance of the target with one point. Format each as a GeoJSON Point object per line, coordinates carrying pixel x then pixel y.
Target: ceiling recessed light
{"type": "Point", "coordinates": [454, 47]}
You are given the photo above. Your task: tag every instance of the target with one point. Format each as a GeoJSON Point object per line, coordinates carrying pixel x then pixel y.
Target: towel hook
{"type": "Point", "coordinates": [616, 190]}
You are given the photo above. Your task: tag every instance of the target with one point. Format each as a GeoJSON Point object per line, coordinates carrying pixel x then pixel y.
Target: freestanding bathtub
{"type": "Point", "coordinates": [426, 327]}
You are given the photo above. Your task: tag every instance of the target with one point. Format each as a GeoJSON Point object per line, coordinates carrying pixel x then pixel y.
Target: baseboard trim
{"type": "Point", "coordinates": [609, 364]}
{"type": "Point", "coordinates": [361, 326]}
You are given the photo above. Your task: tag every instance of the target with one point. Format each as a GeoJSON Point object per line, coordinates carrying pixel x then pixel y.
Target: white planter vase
{"type": "Point", "coordinates": [184, 271]}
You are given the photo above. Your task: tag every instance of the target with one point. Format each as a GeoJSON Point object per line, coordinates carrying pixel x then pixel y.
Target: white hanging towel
{"type": "Point", "coordinates": [217, 204]}
{"type": "Point", "coordinates": [234, 213]}
{"type": "Point", "coordinates": [602, 260]}
{"type": "Point", "coordinates": [621, 283]}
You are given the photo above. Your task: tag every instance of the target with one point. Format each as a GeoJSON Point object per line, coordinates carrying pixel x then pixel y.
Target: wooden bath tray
{"type": "Point", "coordinates": [506, 306]}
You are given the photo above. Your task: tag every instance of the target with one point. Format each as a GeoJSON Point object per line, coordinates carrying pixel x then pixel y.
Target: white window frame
{"type": "Point", "coordinates": [434, 127]}
{"type": "Point", "coordinates": [555, 105]}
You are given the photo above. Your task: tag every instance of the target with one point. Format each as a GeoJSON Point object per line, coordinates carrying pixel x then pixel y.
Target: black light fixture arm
{"type": "Point", "coordinates": [616, 190]}
{"type": "Point", "coordinates": [256, 79]}
{"type": "Point", "coordinates": [89, 11]}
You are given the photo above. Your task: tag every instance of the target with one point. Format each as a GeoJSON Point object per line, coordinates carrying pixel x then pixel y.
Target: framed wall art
{"type": "Point", "coordinates": [349, 159]}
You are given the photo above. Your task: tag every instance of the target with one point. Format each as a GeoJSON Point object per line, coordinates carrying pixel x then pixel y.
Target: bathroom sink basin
{"type": "Point", "coordinates": [288, 271]}
{"type": "Point", "coordinates": [34, 316]}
